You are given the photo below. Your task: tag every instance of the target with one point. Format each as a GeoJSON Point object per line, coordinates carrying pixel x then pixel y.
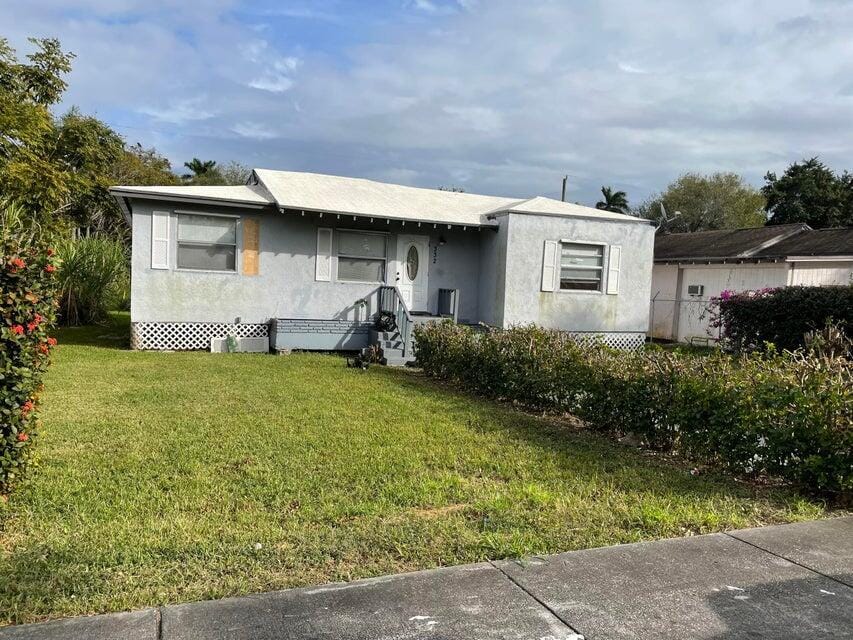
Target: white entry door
{"type": "Point", "coordinates": [412, 267]}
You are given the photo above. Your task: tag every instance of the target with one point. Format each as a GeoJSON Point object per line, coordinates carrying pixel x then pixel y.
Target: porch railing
{"type": "Point", "coordinates": [448, 303]}
{"type": "Point", "coordinates": [391, 301]}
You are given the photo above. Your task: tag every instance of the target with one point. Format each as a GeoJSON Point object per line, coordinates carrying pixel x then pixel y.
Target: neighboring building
{"type": "Point", "coordinates": [692, 268]}
{"type": "Point", "coordinates": [316, 257]}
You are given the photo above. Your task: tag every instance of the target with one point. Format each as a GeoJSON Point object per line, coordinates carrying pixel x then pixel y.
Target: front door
{"type": "Point", "coordinates": [412, 261]}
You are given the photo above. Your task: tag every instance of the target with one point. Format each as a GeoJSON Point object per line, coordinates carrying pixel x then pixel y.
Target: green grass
{"type": "Point", "coordinates": [160, 473]}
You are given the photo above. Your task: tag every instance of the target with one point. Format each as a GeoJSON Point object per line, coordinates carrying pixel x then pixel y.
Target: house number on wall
{"type": "Point", "coordinates": [434, 253]}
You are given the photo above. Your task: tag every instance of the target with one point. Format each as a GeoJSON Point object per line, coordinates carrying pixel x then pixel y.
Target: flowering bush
{"type": "Point", "coordinates": [749, 319]}
{"type": "Point", "coordinates": [788, 415]}
{"type": "Point", "coordinates": [27, 313]}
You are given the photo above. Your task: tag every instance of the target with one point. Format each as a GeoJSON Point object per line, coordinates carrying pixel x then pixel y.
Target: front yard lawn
{"type": "Point", "coordinates": [169, 477]}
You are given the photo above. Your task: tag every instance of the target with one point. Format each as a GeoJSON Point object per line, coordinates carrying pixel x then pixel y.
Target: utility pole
{"type": "Point", "coordinates": [563, 196]}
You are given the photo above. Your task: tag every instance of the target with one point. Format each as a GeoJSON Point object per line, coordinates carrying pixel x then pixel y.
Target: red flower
{"type": "Point", "coordinates": [31, 326]}
{"type": "Point", "coordinates": [50, 268]}
{"type": "Point", "coordinates": [27, 407]}
{"type": "Point", "coordinates": [43, 348]}
{"type": "Point", "coordinates": [50, 251]}
{"type": "Point", "coordinates": [16, 328]}
{"type": "Point", "coordinates": [23, 437]}
{"type": "Point", "coordinates": [51, 342]}
{"type": "Point", "coordinates": [17, 263]}
{"type": "Point", "coordinates": [38, 318]}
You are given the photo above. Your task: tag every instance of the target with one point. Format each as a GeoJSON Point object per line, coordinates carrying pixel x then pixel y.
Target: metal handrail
{"type": "Point", "coordinates": [390, 300]}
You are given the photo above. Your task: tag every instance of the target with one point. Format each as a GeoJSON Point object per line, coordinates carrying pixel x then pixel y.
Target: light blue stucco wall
{"type": "Point", "coordinates": [524, 300]}
{"type": "Point", "coordinates": [285, 286]}
{"type": "Point", "coordinates": [498, 273]}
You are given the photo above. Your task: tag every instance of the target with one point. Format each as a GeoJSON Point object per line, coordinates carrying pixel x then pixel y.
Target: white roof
{"type": "Point", "coordinates": [299, 191]}
{"type": "Point", "coordinates": [548, 206]}
{"type": "Point", "coordinates": [248, 194]}
{"type": "Point", "coordinates": [357, 196]}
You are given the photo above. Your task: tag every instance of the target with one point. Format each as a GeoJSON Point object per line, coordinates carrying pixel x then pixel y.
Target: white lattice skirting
{"type": "Point", "coordinates": [188, 336]}
{"type": "Point", "coordinates": [628, 341]}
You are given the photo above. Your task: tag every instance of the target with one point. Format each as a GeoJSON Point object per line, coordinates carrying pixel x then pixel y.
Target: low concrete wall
{"type": "Point", "coordinates": [321, 335]}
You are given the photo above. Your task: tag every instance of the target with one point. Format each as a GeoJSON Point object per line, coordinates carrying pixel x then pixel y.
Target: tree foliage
{"type": "Point", "coordinates": [809, 192]}
{"type": "Point", "coordinates": [615, 201]}
{"type": "Point", "coordinates": [706, 202]}
{"type": "Point", "coordinates": [60, 168]}
{"type": "Point", "coordinates": [209, 172]}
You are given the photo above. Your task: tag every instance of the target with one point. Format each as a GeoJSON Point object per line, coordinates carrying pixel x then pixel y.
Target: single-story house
{"type": "Point", "coordinates": [309, 261]}
{"type": "Point", "coordinates": [691, 268]}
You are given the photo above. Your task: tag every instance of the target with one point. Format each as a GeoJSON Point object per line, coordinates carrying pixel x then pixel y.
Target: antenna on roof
{"type": "Point", "coordinates": [664, 219]}
{"type": "Point", "coordinates": [563, 196]}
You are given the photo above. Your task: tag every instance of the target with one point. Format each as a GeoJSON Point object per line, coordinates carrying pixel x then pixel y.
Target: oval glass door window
{"type": "Point", "coordinates": [412, 263]}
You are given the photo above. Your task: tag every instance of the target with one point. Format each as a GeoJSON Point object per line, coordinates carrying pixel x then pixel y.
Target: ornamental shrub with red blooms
{"type": "Point", "coordinates": [782, 317]}
{"type": "Point", "coordinates": [27, 313]}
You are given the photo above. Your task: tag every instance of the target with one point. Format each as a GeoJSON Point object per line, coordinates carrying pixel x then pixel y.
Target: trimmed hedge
{"type": "Point", "coordinates": [781, 316]}
{"type": "Point", "coordinates": [787, 415]}
{"type": "Point", "coordinates": [27, 312]}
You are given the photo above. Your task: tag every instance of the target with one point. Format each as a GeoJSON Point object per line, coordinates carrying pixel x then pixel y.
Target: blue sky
{"type": "Point", "coordinates": [494, 96]}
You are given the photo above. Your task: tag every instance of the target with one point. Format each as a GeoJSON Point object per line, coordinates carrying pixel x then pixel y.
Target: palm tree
{"type": "Point", "coordinates": [199, 168]}
{"type": "Point", "coordinates": [617, 201]}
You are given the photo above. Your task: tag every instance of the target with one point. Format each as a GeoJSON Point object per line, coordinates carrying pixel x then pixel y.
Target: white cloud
{"type": "Point", "coordinates": [630, 68]}
{"type": "Point", "coordinates": [503, 96]}
{"type": "Point", "coordinates": [180, 111]}
{"type": "Point", "coordinates": [274, 82]}
{"type": "Point", "coordinates": [254, 130]}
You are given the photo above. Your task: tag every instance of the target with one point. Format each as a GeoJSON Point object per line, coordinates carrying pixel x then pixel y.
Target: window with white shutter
{"type": "Point", "coordinates": [323, 265]}
{"type": "Point", "coordinates": [549, 265]}
{"type": "Point", "coordinates": [160, 239]}
{"type": "Point", "coordinates": [614, 265]}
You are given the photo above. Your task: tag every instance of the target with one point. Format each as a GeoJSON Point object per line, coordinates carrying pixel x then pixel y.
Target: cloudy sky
{"type": "Point", "coordinates": [499, 97]}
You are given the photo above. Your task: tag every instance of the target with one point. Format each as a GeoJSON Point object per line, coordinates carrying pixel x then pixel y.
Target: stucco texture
{"type": "Point", "coordinates": [526, 303]}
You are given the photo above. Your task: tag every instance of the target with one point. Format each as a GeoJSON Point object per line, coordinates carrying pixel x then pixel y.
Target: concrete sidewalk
{"type": "Point", "coordinates": [786, 581]}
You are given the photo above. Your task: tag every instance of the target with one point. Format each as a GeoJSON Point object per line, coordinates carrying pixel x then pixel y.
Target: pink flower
{"type": "Point", "coordinates": [23, 437]}
{"type": "Point", "coordinates": [16, 328]}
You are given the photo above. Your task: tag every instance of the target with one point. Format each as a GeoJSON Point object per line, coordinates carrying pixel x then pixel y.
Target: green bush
{"type": "Point", "coordinates": [749, 319]}
{"type": "Point", "coordinates": [94, 278]}
{"type": "Point", "coordinates": [27, 312]}
{"type": "Point", "coordinates": [787, 415]}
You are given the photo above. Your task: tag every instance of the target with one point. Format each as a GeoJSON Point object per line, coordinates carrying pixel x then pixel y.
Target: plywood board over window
{"type": "Point", "coordinates": [251, 242]}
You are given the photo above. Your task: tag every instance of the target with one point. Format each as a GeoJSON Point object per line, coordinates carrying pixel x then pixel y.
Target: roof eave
{"type": "Point", "coordinates": [373, 216]}
{"type": "Point", "coordinates": [194, 199]}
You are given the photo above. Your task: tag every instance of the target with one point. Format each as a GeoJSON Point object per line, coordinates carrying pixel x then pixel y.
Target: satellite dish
{"type": "Point", "coordinates": [664, 218]}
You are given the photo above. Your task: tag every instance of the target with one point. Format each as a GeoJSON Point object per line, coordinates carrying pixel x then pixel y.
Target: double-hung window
{"type": "Point", "coordinates": [581, 266]}
{"type": "Point", "coordinates": [361, 256]}
{"type": "Point", "coordinates": [207, 242]}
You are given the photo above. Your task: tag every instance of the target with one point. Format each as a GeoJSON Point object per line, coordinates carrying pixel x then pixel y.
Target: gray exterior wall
{"type": "Point", "coordinates": [524, 300]}
{"type": "Point", "coordinates": [285, 286]}
{"type": "Point", "coordinates": [497, 272]}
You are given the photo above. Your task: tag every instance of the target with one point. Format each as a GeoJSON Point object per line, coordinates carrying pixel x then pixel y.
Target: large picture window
{"type": "Point", "coordinates": [207, 242]}
{"type": "Point", "coordinates": [361, 256]}
{"type": "Point", "coordinates": [581, 266]}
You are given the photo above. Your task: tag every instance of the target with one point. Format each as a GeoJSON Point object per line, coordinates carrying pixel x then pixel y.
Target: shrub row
{"type": "Point", "coordinates": [783, 414]}
{"type": "Point", "coordinates": [27, 312]}
{"type": "Point", "coordinates": [781, 316]}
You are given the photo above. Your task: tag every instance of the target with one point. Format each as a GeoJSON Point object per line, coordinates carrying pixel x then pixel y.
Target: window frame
{"type": "Point", "coordinates": [236, 244]}
{"type": "Point", "coordinates": [605, 250]}
{"type": "Point", "coordinates": [383, 234]}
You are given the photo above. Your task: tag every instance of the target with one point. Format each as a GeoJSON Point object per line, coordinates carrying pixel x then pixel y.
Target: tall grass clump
{"type": "Point", "coordinates": [94, 278]}
{"type": "Point", "coordinates": [786, 414]}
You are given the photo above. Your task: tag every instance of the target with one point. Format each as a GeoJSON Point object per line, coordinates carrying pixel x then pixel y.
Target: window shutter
{"type": "Point", "coordinates": [549, 265]}
{"type": "Point", "coordinates": [160, 239]}
{"type": "Point", "coordinates": [251, 237]}
{"type": "Point", "coordinates": [613, 266]}
{"type": "Point", "coordinates": [323, 267]}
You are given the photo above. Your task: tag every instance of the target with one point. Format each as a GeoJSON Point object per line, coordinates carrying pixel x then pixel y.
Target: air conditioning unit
{"type": "Point", "coordinates": [695, 289]}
